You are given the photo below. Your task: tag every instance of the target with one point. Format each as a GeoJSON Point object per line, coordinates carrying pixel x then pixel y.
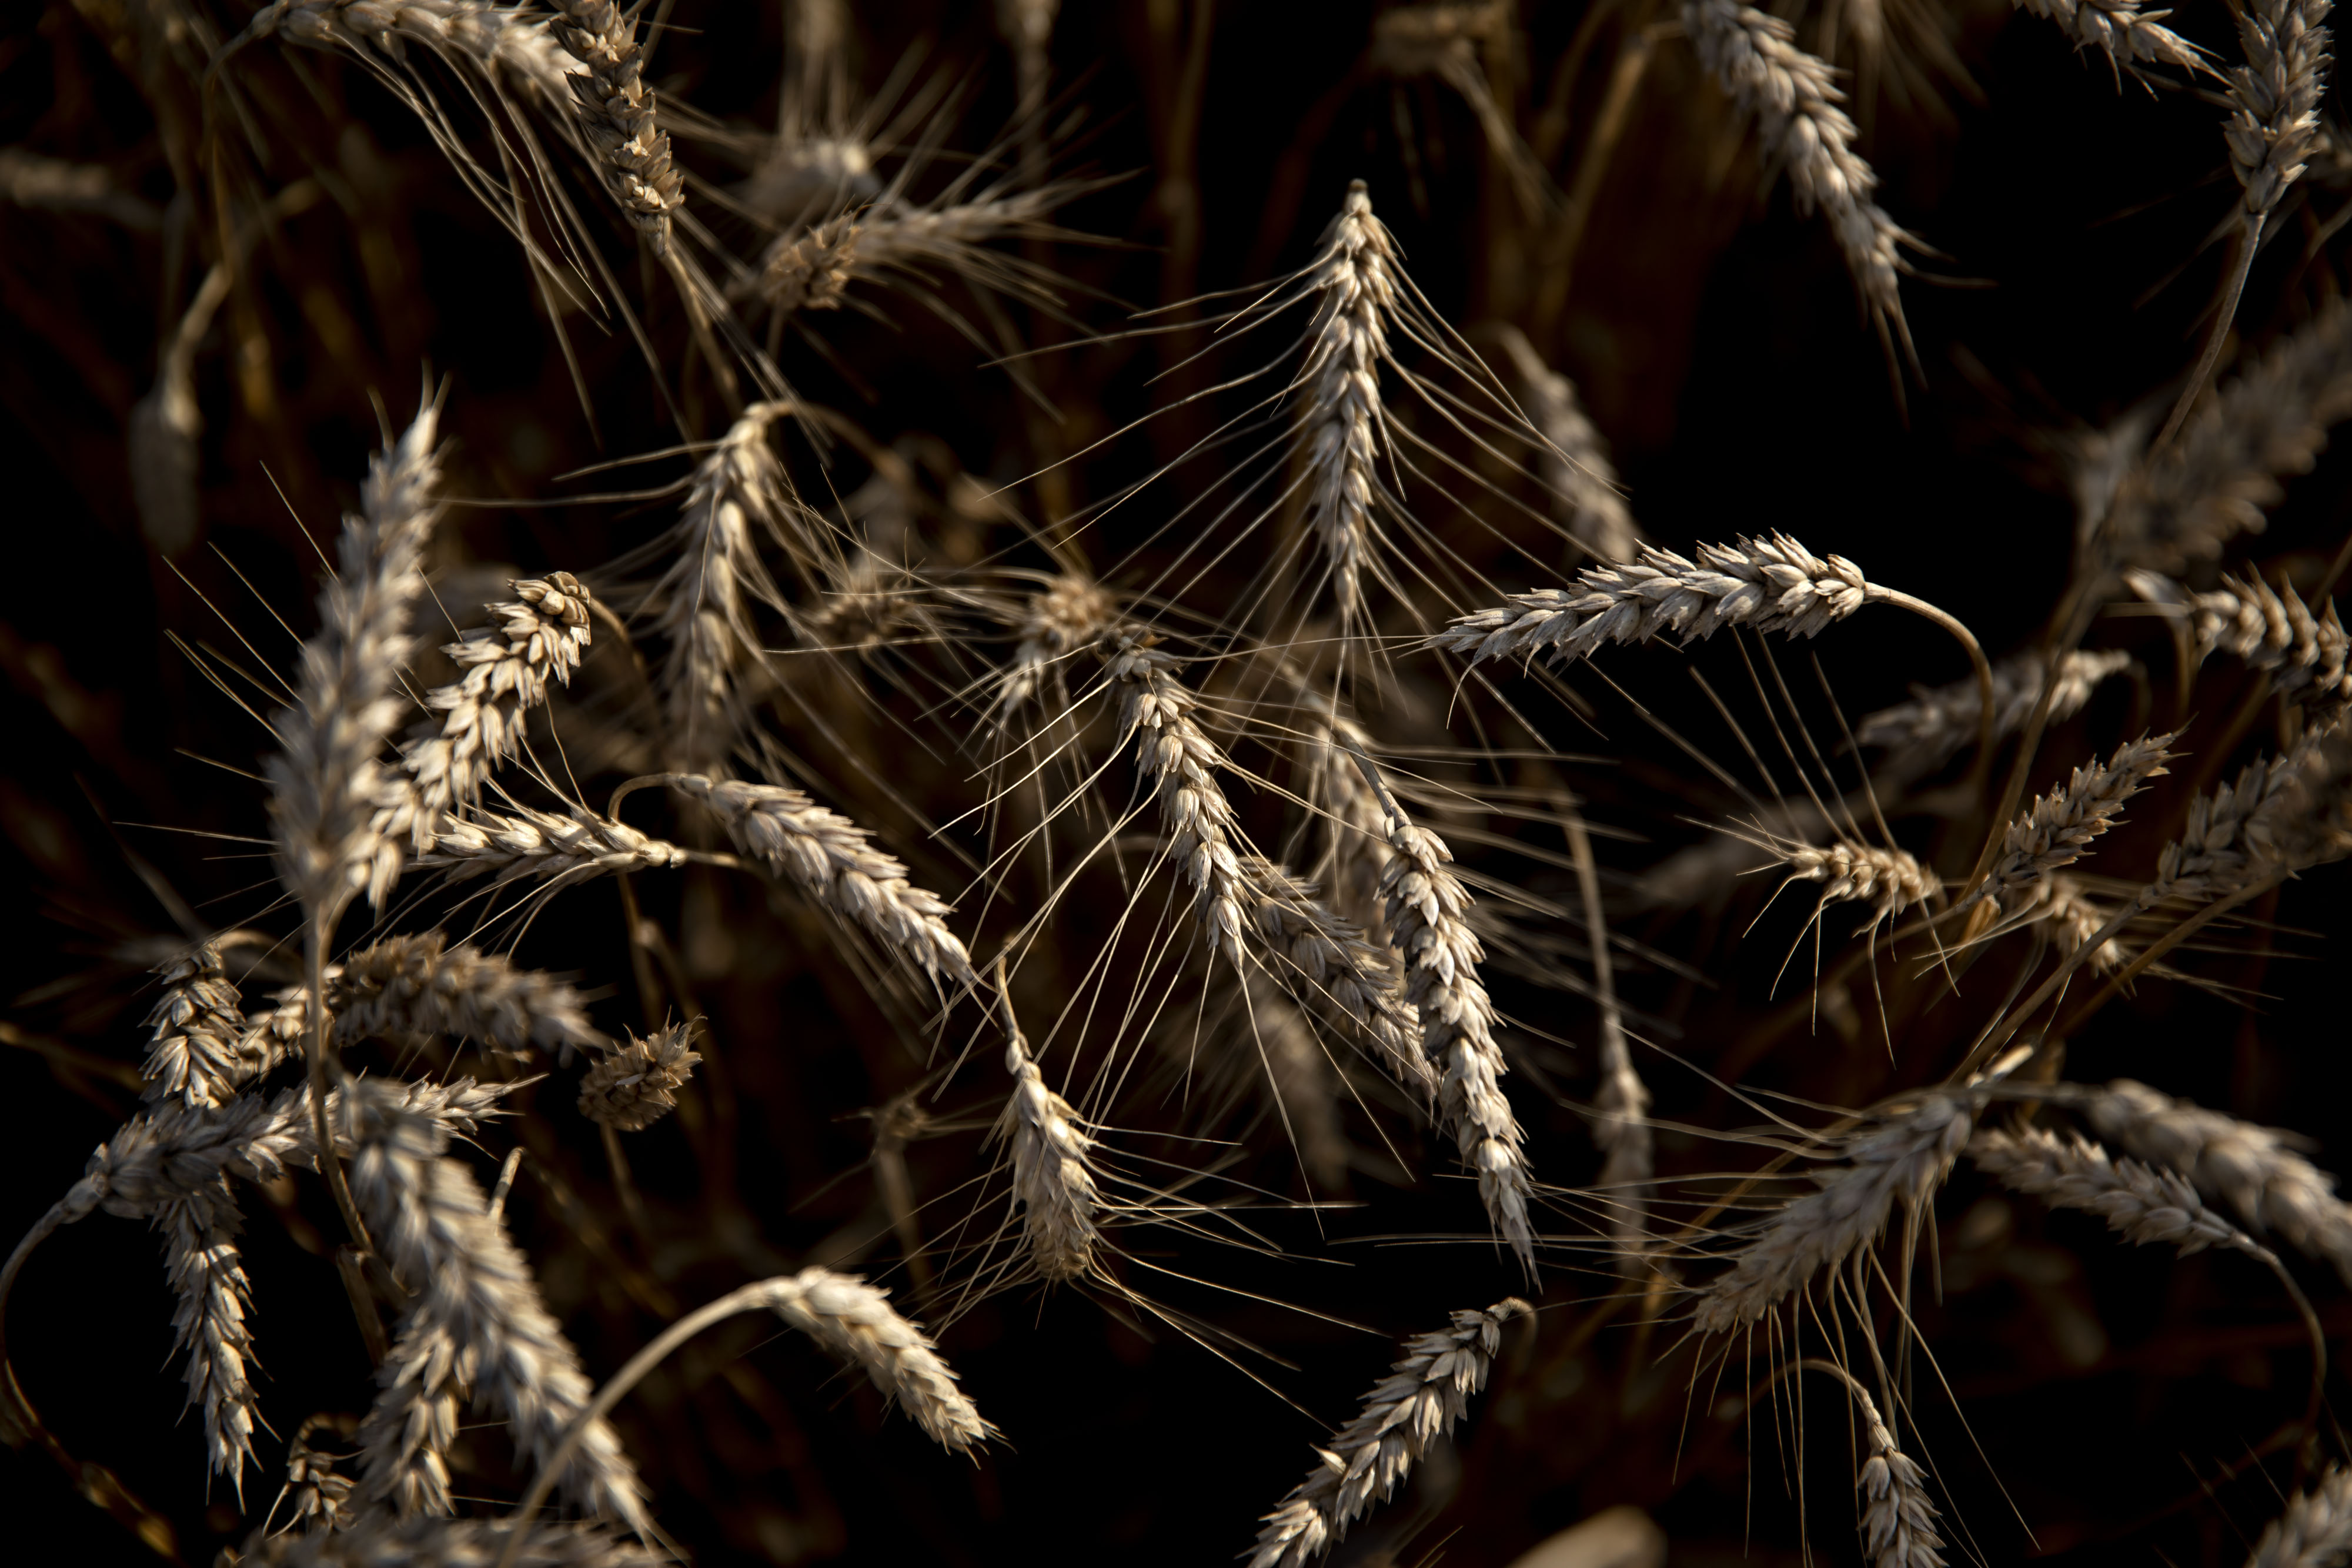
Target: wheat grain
{"type": "Point", "coordinates": [1903, 1156]}
{"type": "Point", "coordinates": [476, 1321]}
{"type": "Point", "coordinates": [197, 1054]}
{"type": "Point", "coordinates": [325, 782]}
{"type": "Point", "coordinates": [1936, 724]}
{"type": "Point", "coordinates": [637, 1085]}
{"type": "Point", "coordinates": [543, 633]}
{"type": "Point", "coordinates": [618, 112]}
{"type": "Point", "coordinates": [1753, 58]}
{"type": "Point", "coordinates": [208, 1281]}
{"type": "Point", "coordinates": [1428, 1390]}
{"type": "Point", "coordinates": [2120, 30]}
{"type": "Point", "coordinates": [2057, 829]}
{"type": "Point", "coordinates": [2314, 1531]}
{"type": "Point", "coordinates": [2254, 1170]}
{"type": "Point", "coordinates": [2146, 1207]}
{"type": "Point", "coordinates": [833, 859]}
{"type": "Point", "coordinates": [1575, 461]}
{"type": "Point", "coordinates": [1428, 910]}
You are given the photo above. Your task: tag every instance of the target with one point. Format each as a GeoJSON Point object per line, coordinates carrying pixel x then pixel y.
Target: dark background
{"type": "Point", "coordinates": [2113, 1396]}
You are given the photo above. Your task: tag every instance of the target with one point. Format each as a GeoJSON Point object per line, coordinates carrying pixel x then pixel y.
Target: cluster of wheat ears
{"type": "Point", "coordinates": [1127, 817]}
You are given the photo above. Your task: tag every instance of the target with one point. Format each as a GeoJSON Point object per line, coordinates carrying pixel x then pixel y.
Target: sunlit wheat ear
{"type": "Point", "coordinates": [2304, 654]}
{"type": "Point", "coordinates": [1341, 422]}
{"type": "Point", "coordinates": [2254, 1170]}
{"type": "Point", "coordinates": [1800, 126]}
{"type": "Point", "coordinates": [1319, 951]}
{"type": "Point", "coordinates": [1576, 469]}
{"type": "Point", "coordinates": [325, 781]}
{"type": "Point", "coordinates": [541, 634]}
{"type": "Point", "coordinates": [2072, 918]}
{"type": "Point", "coordinates": [213, 1296]}
{"type": "Point", "coordinates": [1898, 1517]}
{"type": "Point", "coordinates": [2213, 483]}
{"type": "Point", "coordinates": [617, 110]}
{"type": "Point", "coordinates": [1067, 614]}
{"type": "Point", "coordinates": [637, 1085]}
{"type": "Point", "coordinates": [1180, 760]}
{"type": "Point", "coordinates": [2146, 1207]}
{"type": "Point", "coordinates": [2280, 815]}
{"type": "Point", "coordinates": [1936, 725]}
{"type": "Point", "coordinates": [700, 608]}
{"type": "Point", "coordinates": [528, 845]}
{"type": "Point", "coordinates": [1417, 1403]}
{"type": "Point", "coordinates": [380, 1541]}
{"type": "Point", "coordinates": [1900, 1158]}
{"type": "Point", "coordinates": [2130, 36]}
{"type": "Point", "coordinates": [833, 859]}
{"type": "Point", "coordinates": [1053, 1167]}
{"type": "Point", "coordinates": [1889, 881]}
{"type": "Point", "coordinates": [507, 42]}
{"type": "Point", "coordinates": [197, 1054]}
{"type": "Point", "coordinates": [475, 1322]}
{"type": "Point", "coordinates": [1428, 910]}
{"type": "Point", "coordinates": [2056, 830]}
{"type": "Point", "coordinates": [2314, 1531]}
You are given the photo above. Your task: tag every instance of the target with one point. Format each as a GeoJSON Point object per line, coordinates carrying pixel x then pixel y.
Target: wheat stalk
{"type": "Point", "coordinates": [476, 1320]}
{"type": "Point", "coordinates": [2056, 830]}
{"type": "Point", "coordinates": [197, 1054]}
{"type": "Point", "coordinates": [1753, 58]}
{"type": "Point", "coordinates": [2120, 30]}
{"type": "Point", "coordinates": [618, 113]}
{"type": "Point", "coordinates": [1428, 1390]}
{"type": "Point", "coordinates": [1903, 1158]}
{"type": "Point", "coordinates": [2254, 1170]}
{"type": "Point", "coordinates": [2315, 1530]}
{"type": "Point", "coordinates": [541, 634]}
{"type": "Point", "coordinates": [637, 1085]}
{"type": "Point", "coordinates": [1428, 912]}
{"type": "Point", "coordinates": [833, 859]}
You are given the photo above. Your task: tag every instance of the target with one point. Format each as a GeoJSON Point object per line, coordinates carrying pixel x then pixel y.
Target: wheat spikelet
{"type": "Point", "coordinates": [700, 606]}
{"type": "Point", "coordinates": [2073, 919]}
{"type": "Point", "coordinates": [1889, 881]}
{"type": "Point", "coordinates": [1068, 614]}
{"type": "Point", "coordinates": [833, 859]}
{"type": "Point", "coordinates": [617, 112]}
{"type": "Point", "coordinates": [637, 1085]}
{"type": "Point", "coordinates": [1352, 279]}
{"type": "Point", "coordinates": [325, 782]}
{"type": "Point", "coordinates": [2304, 654]}
{"type": "Point", "coordinates": [2314, 1531]}
{"type": "Point", "coordinates": [525, 843]}
{"type": "Point", "coordinates": [475, 1321]}
{"type": "Point", "coordinates": [1575, 464]}
{"type": "Point", "coordinates": [2057, 829]}
{"type": "Point", "coordinates": [420, 984]}
{"type": "Point", "coordinates": [316, 1496]}
{"type": "Point", "coordinates": [2254, 1170]}
{"type": "Point", "coordinates": [1898, 1517]}
{"type": "Point", "coordinates": [2120, 30]}
{"type": "Point", "coordinates": [856, 1323]}
{"type": "Point", "coordinates": [1903, 1158]}
{"type": "Point", "coordinates": [1769, 585]}
{"type": "Point", "coordinates": [2146, 1207]}
{"type": "Point", "coordinates": [208, 1275]}
{"type": "Point", "coordinates": [1417, 1403]}
{"type": "Point", "coordinates": [1800, 127]}
{"type": "Point", "coordinates": [1053, 1168]}
{"type": "Point", "coordinates": [197, 1054]}
{"type": "Point", "coordinates": [377, 1540]}
{"type": "Point", "coordinates": [1428, 909]}
{"type": "Point", "coordinates": [543, 633]}
{"type": "Point", "coordinates": [1936, 724]}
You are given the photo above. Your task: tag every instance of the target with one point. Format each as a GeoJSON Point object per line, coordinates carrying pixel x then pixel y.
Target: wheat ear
{"type": "Point", "coordinates": [1754, 60]}
{"type": "Point", "coordinates": [835, 860]}
{"type": "Point", "coordinates": [1067, 614]}
{"type": "Point", "coordinates": [2120, 30]}
{"type": "Point", "coordinates": [541, 634]}
{"type": "Point", "coordinates": [1428, 910]}
{"type": "Point", "coordinates": [2254, 1170]}
{"type": "Point", "coordinates": [494, 37]}
{"type": "Point", "coordinates": [1428, 1390]}
{"type": "Point", "coordinates": [1354, 826]}
{"type": "Point", "coordinates": [197, 1054]}
{"type": "Point", "coordinates": [476, 1320]}
{"type": "Point", "coordinates": [524, 844]}
{"type": "Point", "coordinates": [2074, 920]}
{"type": "Point", "coordinates": [2314, 1531]}
{"type": "Point", "coordinates": [212, 1295]}
{"type": "Point", "coordinates": [1903, 1158]}
{"type": "Point", "coordinates": [420, 984]}
{"type": "Point", "coordinates": [811, 268]}
{"type": "Point", "coordinates": [842, 1313]}
{"type": "Point", "coordinates": [1053, 1165]}
{"type": "Point", "coordinates": [1889, 880]}
{"type": "Point", "coordinates": [376, 1540]}
{"type": "Point", "coordinates": [2056, 830]}
{"type": "Point", "coordinates": [618, 113]}
{"type": "Point", "coordinates": [637, 1085]}
{"type": "Point", "coordinates": [1354, 283]}
{"type": "Point", "coordinates": [1929, 730]}
{"type": "Point", "coordinates": [1575, 463]}
{"type": "Point", "coordinates": [1899, 1517]}
{"type": "Point", "coordinates": [2145, 1206]}
{"type": "Point", "coordinates": [2304, 654]}
{"type": "Point", "coordinates": [1335, 960]}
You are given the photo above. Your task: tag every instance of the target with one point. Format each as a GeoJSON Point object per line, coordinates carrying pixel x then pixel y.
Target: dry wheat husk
{"type": "Point", "coordinates": [197, 1054]}
{"type": "Point", "coordinates": [211, 1297]}
{"type": "Point", "coordinates": [2145, 1206]}
{"type": "Point", "coordinates": [637, 1085]}
{"type": "Point", "coordinates": [857, 1323]}
{"type": "Point", "coordinates": [618, 111]}
{"type": "Point", "coordinates": [523, 843]}
{"type": "Point", "coordinates": [1054, 1180]}
{"type": "Point", "coordinates": [2314, 1531]}
{"type": "Point", "coordinates": [2130, 36]}
{"type": "Point", "coordinates": [2304, 654]}
{"type": "Point", "coordinates": [1418, 1402]}
{"type": "Point", "coordinates": [2056, 830]}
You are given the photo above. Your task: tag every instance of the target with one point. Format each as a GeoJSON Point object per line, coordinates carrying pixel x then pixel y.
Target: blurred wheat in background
{"type": "Point", "coordinates": [947, 782]}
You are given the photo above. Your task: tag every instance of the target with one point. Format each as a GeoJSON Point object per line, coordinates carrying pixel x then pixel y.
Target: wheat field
{"type": "Point", "coordinates": [1165, 782]}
